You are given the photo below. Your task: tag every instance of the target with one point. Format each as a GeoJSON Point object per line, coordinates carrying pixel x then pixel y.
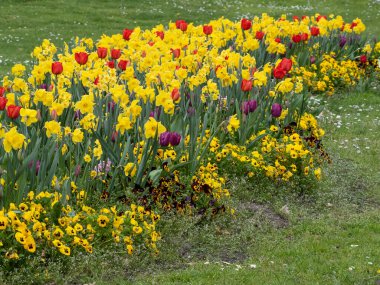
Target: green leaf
{"type": "Point", "coordinates": [155, 176]}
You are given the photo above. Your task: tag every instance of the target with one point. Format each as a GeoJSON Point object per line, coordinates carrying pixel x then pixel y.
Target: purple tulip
{"type": "Point", "coordinates": [38, 165]}
{"type": "Point", "coordinates": [43, 86]}
{"type": "Point", "coordinates": [249, 106]}
{"type": "Point", "coordinates": [252, 104]}
{"type": "Point", "coordinates": [190, 111]}
{"type": "Point", "coordinates": [156, 113]}
{"type": "Point", "coordinates": [175, 138]}
{"type": "Point", "coordinates": [312, 59]}
{"type": "Point", "coordinates": [165, 138]}
{"type": "Point", "coordinates": [276, 110]}
{"type": "Point", "coordinates": [342, 41]}
{"type": "Point", "coordinates": [77, 114]}
{"type": "Point", "coordinates": [111, 106]}
{"type": "Point", "coordinates": [245, 107]}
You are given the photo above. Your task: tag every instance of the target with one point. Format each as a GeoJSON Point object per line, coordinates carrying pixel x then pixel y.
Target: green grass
{"type": "Point", "coordinates": [25, 23]}
{"type": "Point", "coordinates": [331, 235]}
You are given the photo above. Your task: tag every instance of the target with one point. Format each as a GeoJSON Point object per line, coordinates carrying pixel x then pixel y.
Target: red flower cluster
{"type": "Point", "coordinates": [282, 68]}
{"type": "Point", "coordinates": [300, 37]}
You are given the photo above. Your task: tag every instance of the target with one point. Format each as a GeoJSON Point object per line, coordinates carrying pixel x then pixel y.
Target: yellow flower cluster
{"type": "Point", "coordinates": [41, 222]}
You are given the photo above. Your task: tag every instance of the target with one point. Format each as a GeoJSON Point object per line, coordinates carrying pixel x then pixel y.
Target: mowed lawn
{"type": "Point", "coordinates": [330, 235]}
{"type": "Point", "coordinates": [24, 23]}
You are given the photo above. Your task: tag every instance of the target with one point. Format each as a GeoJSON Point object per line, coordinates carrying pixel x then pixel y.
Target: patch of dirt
{"type": "Point", "coordinates": [278, 220]}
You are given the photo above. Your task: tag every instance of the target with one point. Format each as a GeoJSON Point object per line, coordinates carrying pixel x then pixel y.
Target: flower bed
{"type": "Point", "coordinates": [157, 117]}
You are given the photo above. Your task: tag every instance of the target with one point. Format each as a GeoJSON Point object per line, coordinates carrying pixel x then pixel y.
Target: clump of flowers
{"type": "Point", "coordinates": [42, 225]}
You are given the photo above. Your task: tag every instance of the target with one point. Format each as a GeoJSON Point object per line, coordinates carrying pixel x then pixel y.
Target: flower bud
{"type": "Point", "coordinates": [175, 139]}
{"type": "Point", "coordinates": [276, 110]}
{"type": "Point", "coordinates": [77, 170]}
{"type": "Point", "coordinates": [38, 165]}
{"type": "Point", "coordinates": [252, 104]}
{"type": "Point", "coordinates": [165, 138]}
{"type": "Point", "coordinates": [54, 115]}
{"type": "Point", "coordinates": [114, 136]}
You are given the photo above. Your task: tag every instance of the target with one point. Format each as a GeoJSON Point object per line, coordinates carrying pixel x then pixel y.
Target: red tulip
{"type": "Point", "coordinates": [363, 58]}
{"type": "Point", "coordinates": [176, 52]}
{"type": "Point", "coordinates": [56, 68]}
{"type": "Point", "coordinates": [127, 34]}
{"type": "Point", "coordinates": [102, 52]}
{"type": "Point", "coordinates": [277, 40]}
{"type": "Point", "coordinates": [181, 24]}
{"type": "Point", "coordinates": [2, 91]}
{"type": "Point", "coordinates": [3, 103]}
{"type": "Point", "coordinates": [259, 35]}
{"type": "Point", "coordinates": [296, 38]}
{"type": "Point", "coordinates": [304, 36]}
{"type": "Point", "coordinates": [114, 136]}
{"type": "Point", "coordinates": [207, 30]}
{"type": "Point", "coordinates": [81, 57]}
{"type": "Point", "coordinates": [111, 64]}
{"type": "Point", "coordinates": [175, 94]}
{"type": "Point", "coordinates": [246, 85]}
{"type": "Point", "coordinates": [123, 64]}
{"type": "Point", "coordinates": [246, 24]}
{"type": "Point", "coordinates": [320, 17]}
{"type": "Point", "coordinates": [279, 73]}
{"type": "Point", "coordinates": [160, 34]}
{"type": "Point", "coordinates": [314, 31]}
{"type": "Point", "coordinates": [115, 53]}
{"type": "Point", "coordinates": [286, 64]}
{"type": "Point", "coordinates": [13, 111]}
{"type": "Point", "coordinates": [296, 18]}
{"type": "Point", "coordinates": [178, 23]}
